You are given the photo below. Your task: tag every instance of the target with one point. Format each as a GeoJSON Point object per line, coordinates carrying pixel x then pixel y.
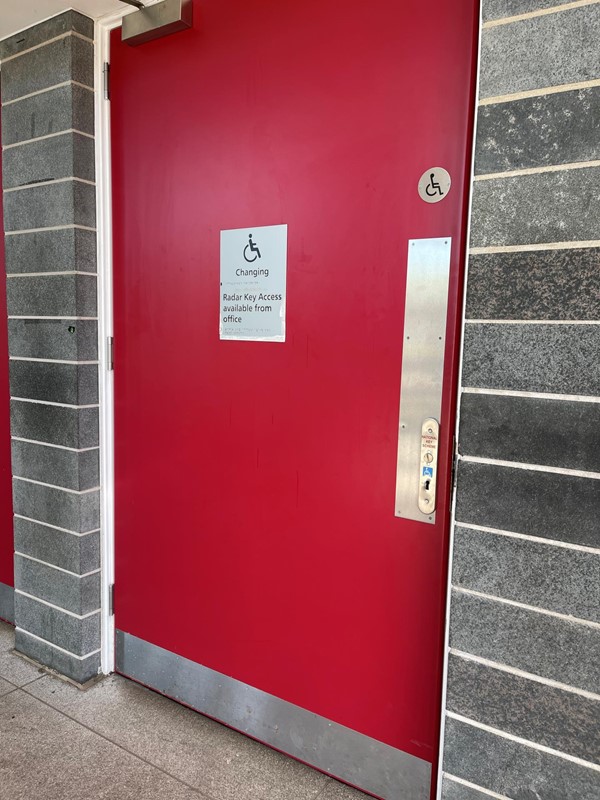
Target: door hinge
{"type": "Point", "coordinates": [111, 600]}
{"type": "Point", "coordinates": [454, 461]}
{"type": "Point", "coordinates": [106, 79]}
{"type": "Point", "coordinates": [453, 471]}
{"type": "Point", "coordinates": [110, 353]}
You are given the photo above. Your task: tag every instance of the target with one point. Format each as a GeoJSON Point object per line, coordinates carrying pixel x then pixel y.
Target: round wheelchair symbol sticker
{"type": "Point", "coordinates": [434, 184]}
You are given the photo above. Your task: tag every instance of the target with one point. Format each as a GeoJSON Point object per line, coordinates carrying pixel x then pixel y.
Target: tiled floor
{"type": "Point", "coordinates": [120, 741]}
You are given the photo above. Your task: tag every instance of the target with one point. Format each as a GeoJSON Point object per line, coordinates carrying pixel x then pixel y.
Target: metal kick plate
{"type": "Point", "coordinates": [425, 315]}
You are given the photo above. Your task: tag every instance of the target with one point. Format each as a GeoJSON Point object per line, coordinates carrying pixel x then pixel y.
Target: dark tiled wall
{"type": "Point", "coordinates": [523, 693]}
{"type": "Point", "coordinates": [49, 203]}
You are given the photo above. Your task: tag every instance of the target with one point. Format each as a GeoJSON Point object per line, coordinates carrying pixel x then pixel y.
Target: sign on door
{"type": "Point", "coordinates": [253, 284]}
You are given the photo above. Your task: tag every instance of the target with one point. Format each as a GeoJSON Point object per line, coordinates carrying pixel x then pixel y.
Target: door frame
{"type": "Point", "coordinates": [461, 339]}
{"type": "Point", "coordinates": [103, 28]}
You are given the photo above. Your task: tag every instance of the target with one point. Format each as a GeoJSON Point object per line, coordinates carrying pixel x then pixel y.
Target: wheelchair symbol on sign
{"type": "Point", "coordinates": [434, 185]}
{"type": "Point", "coordinates": [433, 188]}
{"type": "Point", "coordinates": [253, 248]}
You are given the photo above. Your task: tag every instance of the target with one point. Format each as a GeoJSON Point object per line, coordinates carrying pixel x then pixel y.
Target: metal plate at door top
{"type": "Point", "coordinates": [255, 481]}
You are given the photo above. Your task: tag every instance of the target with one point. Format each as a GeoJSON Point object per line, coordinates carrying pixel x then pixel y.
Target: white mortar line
{"type": "Point", "coordinates": [50, 360]}
{"type": "Point", "coordinates": [50, 403]}
{"type": "Point", "coordinates": [526, 742]}
{"type": "Point", "coordinates": [532, 322]}
{"type": "Point", "coordinates": [47, 89]}
{"type": "Point", "coordinates": [55, 527]}
{"type": "Point", "coordinates": [50, 275]}
{"type": "Point", "coordinates": [50, 228]}
{"type": "Point", "coordinates": [48, 183]}
{"type": "Point", "coordinates": [475, 786]}
{"type": "Point", "coordinates": [516, 173]}
{"type": "Point", "coordinates": [55, 446]}
{"type": "Point", "coordinates": [47, 136]}
{"type": "Point", "coordinates": [55, 646]}
{"type": "Point", "coordinates": [572, 398]}
{"type": "Point", "coordinates": [541, 12]}
{"type": "Point", "coordinates": [534, 248]}
{"type": "Point", "coordinates": [541, 92]}
{"type": "Point", "coordinates": [43, 319]}
{"type": "Point", "coordinates": [66, 35]}
{"type": "Point", "coordinates": [52, 605]}
{"type": "Point", "coordinates": [577, 473]}
{"type": "Point", "coordinates": [528, 675]}
{"type": "Point", "coordinates": [53, 486]}
{"type": "Point", "coordinates": [545, 611]}
{"type": "Point", "coordinates": [528, 538]}
{"type": "Point", "coordinates": [60, 569]}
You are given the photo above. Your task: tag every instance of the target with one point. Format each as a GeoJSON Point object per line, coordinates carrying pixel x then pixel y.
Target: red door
{"type": "Point", "coordinates": [6, 517]}
{"type": "Point", "coordinates": [255, 481]}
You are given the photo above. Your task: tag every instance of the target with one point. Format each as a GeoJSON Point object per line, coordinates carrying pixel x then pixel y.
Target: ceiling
{"type": "Point", "coordinates": [16, 15]}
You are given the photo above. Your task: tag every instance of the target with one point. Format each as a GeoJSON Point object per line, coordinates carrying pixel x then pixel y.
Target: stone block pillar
{"type": "Point", "coordinates": [49, 218]}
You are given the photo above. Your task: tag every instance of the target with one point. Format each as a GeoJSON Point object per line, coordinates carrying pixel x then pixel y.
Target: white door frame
{"type": "Point", "coordinates": [103, 28]}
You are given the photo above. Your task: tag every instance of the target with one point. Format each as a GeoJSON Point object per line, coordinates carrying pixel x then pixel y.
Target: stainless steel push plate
{"type": "Point", "coordinates": [422, 372]}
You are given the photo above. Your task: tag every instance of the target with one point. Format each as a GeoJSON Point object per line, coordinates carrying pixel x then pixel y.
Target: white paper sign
{"type": "Point", "coordinates": [253, 284]}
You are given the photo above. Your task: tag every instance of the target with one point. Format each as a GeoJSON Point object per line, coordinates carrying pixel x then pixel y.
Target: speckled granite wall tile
{"type": "Point", "coordinates": [557, 128]}
{"type": "Point", "coordinates": [78, 636]}
{"type": "Point", "coordinates": [61, 109]}
{"type": "Point", "coordinates": [548, 50]}
{"type": "Point", "coordinates": [533, 358]}
{"type": "Point", "coordinates": [508, 211]}
{"type": "Point", "coordinates": [79, 513]}
{"type": "Point", "coordinates": [66, 339]}
{"type": "Point", "coordinates": [66, 59]}
{"type": "Point", "coordinates": [543, 284]}
{"type": "Point", "coordinates": [530, 430]}
{"type": "Point", "coordinates": [77, 471]}
{"type": "Point", "coordinates": [68, 427]}
{"type": "Point", "coordinates": [49, 159]}
{"type": "Point", "coordinates": [51, 251]}
{"type": "Point", "coordinates": [49, 205]}
{"type": "Point", "coordinates": [71, 384]}
{"type": "Point", "coordinates": [451, 790]}
{"type": "Point", "coordinates": [565, 508]}
{"type": "Point", "coordinates": [500, 9]}
{"type": "Point", "coordinates": [558, 579]}
{"type": "Point", "coordinates": [79, 595]}
{"type": "Point", "coordinates": [531, 641]}
{"type": "Point", "coordinates": [543, 714]}
{"type": "Point", "coordinates": [80, 670]}
{"type": "Point", "coordinates": [49, 29]}
{"type": "Point", "coordinates": [79, 554]}
{"type": "Point", "coordinates": [52, 295]}
{"type": "Point", "coordinates": [515, 770]}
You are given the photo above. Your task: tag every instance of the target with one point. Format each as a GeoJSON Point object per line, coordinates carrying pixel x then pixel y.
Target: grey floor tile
{"type": "Point", "coordinates": [13, 668]}
{"type": "Point", "coordinates": [6, 687]}
{"type": "Point", "coordinates": [221, 763]}
{"type": "Point", "coordinates": [339, 791]}
{"type": "Point", "coordinates": [44, 754]}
